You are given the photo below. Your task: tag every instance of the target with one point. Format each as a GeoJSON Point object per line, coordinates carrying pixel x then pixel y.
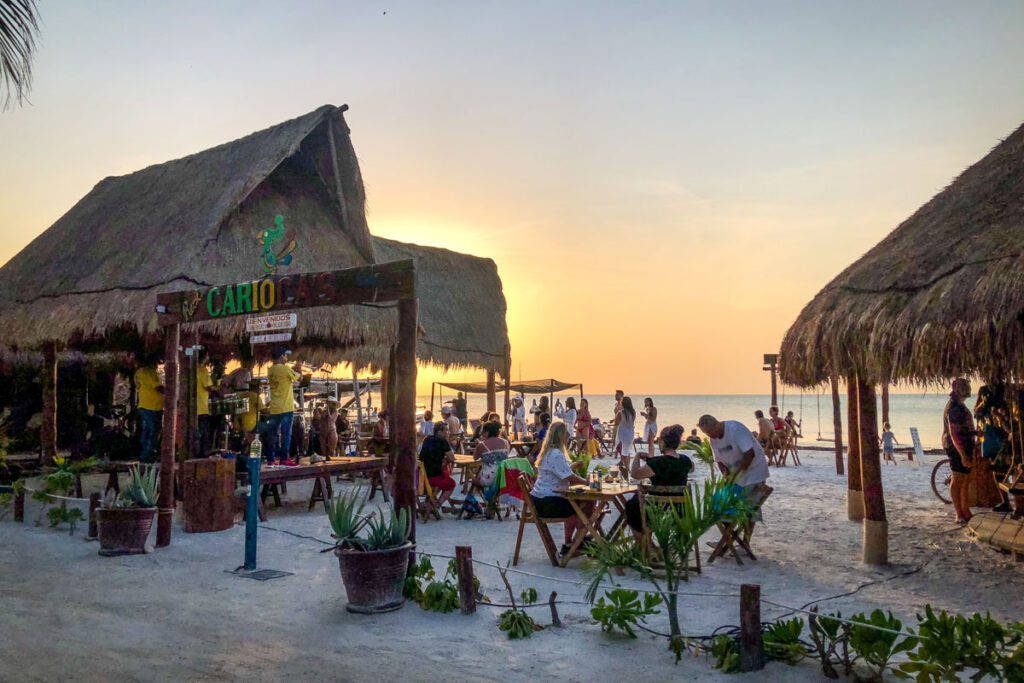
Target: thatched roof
{"type": "Point", "coordinates": [942, 295]}
{"type": "Point", "coordinates": [90, 281]}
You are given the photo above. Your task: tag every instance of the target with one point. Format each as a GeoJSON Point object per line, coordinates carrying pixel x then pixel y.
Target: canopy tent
{"type": "Point", "coordinates": [532, 386]}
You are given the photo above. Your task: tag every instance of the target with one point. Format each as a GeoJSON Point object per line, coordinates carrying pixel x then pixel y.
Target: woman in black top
{"type": "Point", "coordinates": [668, 469]}
{"type": "Point", "coordinates": [438, 458]}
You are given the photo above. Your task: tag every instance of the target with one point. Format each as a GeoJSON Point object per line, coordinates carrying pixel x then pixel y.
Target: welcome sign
{"type": "Point", "coordinates": [366, 284]}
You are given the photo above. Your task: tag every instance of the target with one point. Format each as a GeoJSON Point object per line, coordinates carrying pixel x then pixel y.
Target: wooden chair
{"type": "Point", "coordinates": [733, 536]}
{"type": "Point", "coordinates": [663, 495]}
{"type": "Point", "coordinates": [428, 505]}
{"type": "Point", "coordinates": [529, 515]}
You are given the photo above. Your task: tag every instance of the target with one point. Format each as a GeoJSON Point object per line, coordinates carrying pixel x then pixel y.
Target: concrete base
{"type": "Point", "coordinates": [876, 542]}
{"type": "Point", "coordinates": [854, 505]}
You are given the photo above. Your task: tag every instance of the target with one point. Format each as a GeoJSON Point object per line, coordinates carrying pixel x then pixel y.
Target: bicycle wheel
{"type": "Point", "coordinates": [941, 476]}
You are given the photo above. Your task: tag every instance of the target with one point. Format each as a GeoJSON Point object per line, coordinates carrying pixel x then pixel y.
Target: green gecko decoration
{"type": "Point", "coordinates": [268, 237]}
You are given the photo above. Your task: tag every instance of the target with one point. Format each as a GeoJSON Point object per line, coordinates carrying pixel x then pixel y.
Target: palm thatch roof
{"type": "Point", "coordinates": [90, 281]}
{"type": "Point", "coordinates": [942, 295]}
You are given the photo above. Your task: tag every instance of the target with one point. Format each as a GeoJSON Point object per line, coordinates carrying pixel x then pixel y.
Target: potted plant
{"type": "Point", "coordinates": [373, 565]}
{"type": "Point", "coordinates": [124, 521]}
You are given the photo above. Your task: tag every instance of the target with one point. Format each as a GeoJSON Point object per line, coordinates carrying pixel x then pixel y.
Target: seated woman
{"type": "Point", "coordinates": [669, 469]}
{"type": "Point", "coordinates": [437, 458]}
{"type": "Point", "coordinates": [545, 425]}
{"type": "Point", "coordinates": [490, 450]}
{"type": "Point", "coordinates": [554, 476]}
{"type": "Point", "coordinates": [379, 442]}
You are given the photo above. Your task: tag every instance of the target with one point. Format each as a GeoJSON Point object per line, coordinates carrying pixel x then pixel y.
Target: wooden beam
{"type": "Point", "coordinates": [492, 395]}
{"type": "Point", "coordinates": [405, 412]}
{"type": "Point", "coordinates": [48, 429]}
{"type": "Point", "coordinates": [854, 490]}
{"type": "Point", "coordinates": [837, 424]}
{"type": "Point", "coordinates": [165, 514]}
{"type": "Point", "coordinates": [876, 530]}
{"type": "Point", "coordinates": [378, 283]}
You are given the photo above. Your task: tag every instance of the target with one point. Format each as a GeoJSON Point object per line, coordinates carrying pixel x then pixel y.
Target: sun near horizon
{"type": "Point", "coordinates": [663, 186]}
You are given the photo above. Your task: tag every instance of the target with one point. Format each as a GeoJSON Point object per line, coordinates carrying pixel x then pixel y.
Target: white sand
{"type": "Point", "coordinates": [175, 614]}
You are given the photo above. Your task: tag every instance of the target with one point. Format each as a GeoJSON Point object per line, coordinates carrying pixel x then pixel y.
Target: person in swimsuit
{"type": "Point", "coordinates": [650, 415]}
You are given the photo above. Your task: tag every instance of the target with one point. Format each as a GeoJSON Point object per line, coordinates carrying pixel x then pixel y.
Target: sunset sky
{"type": "Point", "coordinates": [662, 185]}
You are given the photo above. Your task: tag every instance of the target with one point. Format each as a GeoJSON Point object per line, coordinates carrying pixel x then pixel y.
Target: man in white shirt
{"type": "Point", "coordinates": [736, 450]}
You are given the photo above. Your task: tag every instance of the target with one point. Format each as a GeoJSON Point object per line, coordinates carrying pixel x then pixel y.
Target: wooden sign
{"type": "Point", "coordinates": [379, 283]}
{"type": "Point", "coordinates": [275, 338]}
{"type": "Point", "coordinates": [267, 323]}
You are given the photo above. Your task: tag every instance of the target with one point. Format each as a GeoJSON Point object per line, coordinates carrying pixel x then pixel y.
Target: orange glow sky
{"type": "Point", "coordinates": [662, 185]}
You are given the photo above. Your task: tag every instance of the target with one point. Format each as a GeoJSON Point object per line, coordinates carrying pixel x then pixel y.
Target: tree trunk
{"type": "Point", "coordinates": [885, 402]}
{"type": "Point", "coordinates": [165, 505]}
{"type": "Point", "coordinates": [48, 429]}
{"type": "Point", "coordinates": [405, 412]}
{"type": "Point", "coordinates": [854, 489]}
{"type": "Point", "coordinates": [876, 528]}
{"type": "Point", "coordinates": [837, 424]}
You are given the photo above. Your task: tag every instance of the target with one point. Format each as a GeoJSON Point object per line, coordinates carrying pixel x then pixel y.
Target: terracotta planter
{"type": "Point", "coordinates": [374, 580]}
{"type": "Point", "coordinates": [124, 531]}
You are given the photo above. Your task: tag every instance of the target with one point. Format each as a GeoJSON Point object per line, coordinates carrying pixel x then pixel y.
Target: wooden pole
{"type": "Point", "coordinates": [94, 503]}
{"type": "Point", "coordinates": [467, 593]}
{"type": "Point", "coordinates": [165, 511]}
{"type": "Point", "coordinates": [405, 412]}
{"type": "Point", "coordinates": [48, 429]}
{"type": "Point", "coordinates": [492, 395]}
{"type": "Point", "coordinates": [885, 402]}
{"type": "Point", "coordinates": [359, 401]}
{"type": "Point", "coordinates": [385, 384]}
{"type": "Point", "coordinates": [390, 406]}
{"type": "Point", "coordinates": [876, 528]}
{"type": "Point", "coordinates": [751, 645]}
{"type": "Point", "coordinates": [508, 384]}
{"type": "Point", "coordinates": [837, 424]}
{"type": "Point", "coordinates": [19, 506]}
{"type": "Point", "coordinates": [854, 489]}
{"type": "Point", "coordinates": [775, 387]}
{"type": "Point", "coordinates": [433, 386]}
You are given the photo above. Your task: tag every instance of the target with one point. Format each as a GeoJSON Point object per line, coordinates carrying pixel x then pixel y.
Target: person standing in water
{"type": "Point", "coordinates": [650, 415]}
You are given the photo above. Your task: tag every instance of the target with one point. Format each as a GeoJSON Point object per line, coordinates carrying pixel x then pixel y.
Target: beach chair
{"type": "Point", "coordinates": [789, 447]}
{"type": "Point", "coordinates": [663, 495]}
{"type": "Point", "coordinates": [529, 516]}
{"type": "Point", "coordinates": [733, 536]}
{"type": "Point", "coordinates": [427, 501]}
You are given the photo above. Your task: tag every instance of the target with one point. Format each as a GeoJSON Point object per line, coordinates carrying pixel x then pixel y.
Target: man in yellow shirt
{"type": "Point", "coordinates": [204, 387]}
{"type": "Point", "coordinates": [149, 400]}
{"type": "Point", "coordinates": [281, 409]}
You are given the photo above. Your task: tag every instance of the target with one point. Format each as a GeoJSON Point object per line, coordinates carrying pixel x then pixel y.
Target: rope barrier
{"type": "Point", "coordinates": [55, 496]}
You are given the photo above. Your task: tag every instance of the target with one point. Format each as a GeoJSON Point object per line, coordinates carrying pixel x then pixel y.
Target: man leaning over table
{"type": "Point", "coordinates": [738, 454]}
{"type": "Point", "coordinates": [281, 408]}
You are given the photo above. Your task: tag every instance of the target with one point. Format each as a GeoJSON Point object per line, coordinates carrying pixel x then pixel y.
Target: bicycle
{"type": "Point", "coordinates": [942, 475]}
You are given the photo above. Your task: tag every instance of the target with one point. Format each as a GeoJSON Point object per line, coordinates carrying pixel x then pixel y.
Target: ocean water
{"type": "Point", "coordinates": [923, 410]}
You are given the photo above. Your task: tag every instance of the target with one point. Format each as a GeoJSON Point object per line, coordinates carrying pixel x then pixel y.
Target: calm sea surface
{"type": "Point", "coordinates": [923, 411]}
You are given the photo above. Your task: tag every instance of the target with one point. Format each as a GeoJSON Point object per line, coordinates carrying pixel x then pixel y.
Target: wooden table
{"type": "Point", "coordinates": [272, 477]}
{"type": "Point", "coordinates": [524, 448]}
{"type": "Point", "coordinates": [469, 468]}
{"type": "Point", "coordinates": [609, 494]}
{"type": "Point", "coordinates": [110, 468]}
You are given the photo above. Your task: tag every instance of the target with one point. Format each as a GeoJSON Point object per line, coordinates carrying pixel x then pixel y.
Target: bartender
{"type": "Point", "coordinates": [281, 408]}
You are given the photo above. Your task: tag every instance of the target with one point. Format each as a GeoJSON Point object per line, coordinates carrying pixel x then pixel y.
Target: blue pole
{"type": "Point", "coordinates": [252, 512]}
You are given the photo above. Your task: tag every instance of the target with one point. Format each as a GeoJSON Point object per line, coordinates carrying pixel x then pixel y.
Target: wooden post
{"type": "Point", "coordinates": [837, 424]}
{"type": "Point", "coordinates": [876, 528]}
{"type": "Point", "coordinates": [192, 397]}
{"type": "Point", "coordinates": [405, 412]}
{"type": "Point", "coordinates": [19, 506]}
{"type": "Point", "coordinates": [48, 429]}
{"type": "Point", "coordinates": [751, 646]}
{"type": "Point", "coordinates": [885, 402]}
{"type": "Point", "coordinates": [433, 386]}
{"type": "Point", "coordinates": [508, 385]}
{"type": "Point", "coordinates": [467, 593]}
{"type": "Point", "coordinates": [854, 489]}
{"type": "Point", "coordinates": [94, 503]}
{"type": "Point", "coordinates": [492, 392]}
{"type": "Point", "coordinates": [388, 381]}
{"type": "Point", "coordinates": [165, 511]}
{"type": "Point", "coordinates": [385, 384]}
{"type": "Point", "coordinates": [771, 361]}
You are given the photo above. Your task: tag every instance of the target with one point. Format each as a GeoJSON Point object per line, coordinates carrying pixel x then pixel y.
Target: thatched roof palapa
{"type": "Point", "coordinates": [942, 295]}
{"type": "Point", "coordinates": [90, 281]}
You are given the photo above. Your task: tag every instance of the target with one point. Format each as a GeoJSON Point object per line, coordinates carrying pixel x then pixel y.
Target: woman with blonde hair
{"type": "Point", "coordinates": [554, 476]}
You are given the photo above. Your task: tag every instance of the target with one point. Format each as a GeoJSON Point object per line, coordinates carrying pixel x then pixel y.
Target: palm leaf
{"type": "Point", "coordinates": [19, 28]}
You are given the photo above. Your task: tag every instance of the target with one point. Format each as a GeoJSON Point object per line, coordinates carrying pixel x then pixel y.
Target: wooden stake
{"type": "Point", "coordinates": [837, 424]}
{"type": "Point", "coordinates": [467, 593]}
{"type": "Point", "coordinates": [876, 542]}
{"type": "Point", "coordinates": [165, 510]}
{"type": "Point", "coordinates": [19, 506]}
{"type": "Point", "coordinates": [405, 413]}
{"type": "Point", "coordinates": [751, 646]}
{"type": "Point", "coordinates": [555, 621]}
{"type": "Point", "coordinates": [94, 503]}
{"type": "Point", "coordinates": [48, 429]}
{"type": "Point", "coordinates": [854, 493]}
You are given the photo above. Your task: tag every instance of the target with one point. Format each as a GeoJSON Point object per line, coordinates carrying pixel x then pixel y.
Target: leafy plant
{"type": "Point", "coordinates": [782, 640]}
{"type": "Point", "coordinates": [528, 596]}
{"type": "Point", "coordinates": [725, 650]}
{"type": "Point", "coordinates": [517, 623]}
{"type": "Point", "coordinates": [828, 634]}
{"type": "Point", "coordinates": [440, 596]}
{"type": "Point", "coordinates": [952, 644]}
{"type": "Point", "coordinates": [422, 571]}
{"type": "Point", "coordinates": [142, 488]}
{"type": "Point", "coordinates": [59, 483]}
{"type": "Point", "coordinates": [386, 533]}
{"type": "Point", "coordinates": [877, 641]}
{"type": "Point", "coordinates": [581, 462]}
{"type": "Point", "coordinates": [7, 499]}
{"type": "Point", "coordinates": [702, 452]}
{"type": "Point", "coordinates": [624, 610]}
{"type": "Point", "coordinates": [345, 513]}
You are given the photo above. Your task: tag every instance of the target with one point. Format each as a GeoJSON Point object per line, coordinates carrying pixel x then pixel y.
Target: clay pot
{"type": "Point", "coordinates": [374, 579]}
{"type": "Point", "coordinates": [123, 531]}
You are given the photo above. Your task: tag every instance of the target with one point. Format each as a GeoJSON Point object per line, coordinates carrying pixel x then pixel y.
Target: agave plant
{"type": "Point", "coordinates": [142, 489]}
{"type": "Point", "coordinates": [345, 513]}
{"type": "Point", "coordinates": [387, 533]}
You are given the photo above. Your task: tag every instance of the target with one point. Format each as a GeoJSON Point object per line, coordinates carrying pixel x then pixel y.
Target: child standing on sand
{"type": "Point", "coordinates": [888, 439]}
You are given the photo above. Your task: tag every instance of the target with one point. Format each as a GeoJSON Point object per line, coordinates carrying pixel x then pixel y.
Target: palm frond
{"type": "Point", "coordinates": [19, 28]}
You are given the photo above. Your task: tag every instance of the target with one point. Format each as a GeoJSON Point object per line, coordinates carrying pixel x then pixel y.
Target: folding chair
{"type": "Point", "coordinates": [530, 515]}
{"type": "Point", "coordinates": [733, 536]}
{"type": "Point", "coordinates": [663, 495]}
{"type": "Point", "coordinates": [424, 490]}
